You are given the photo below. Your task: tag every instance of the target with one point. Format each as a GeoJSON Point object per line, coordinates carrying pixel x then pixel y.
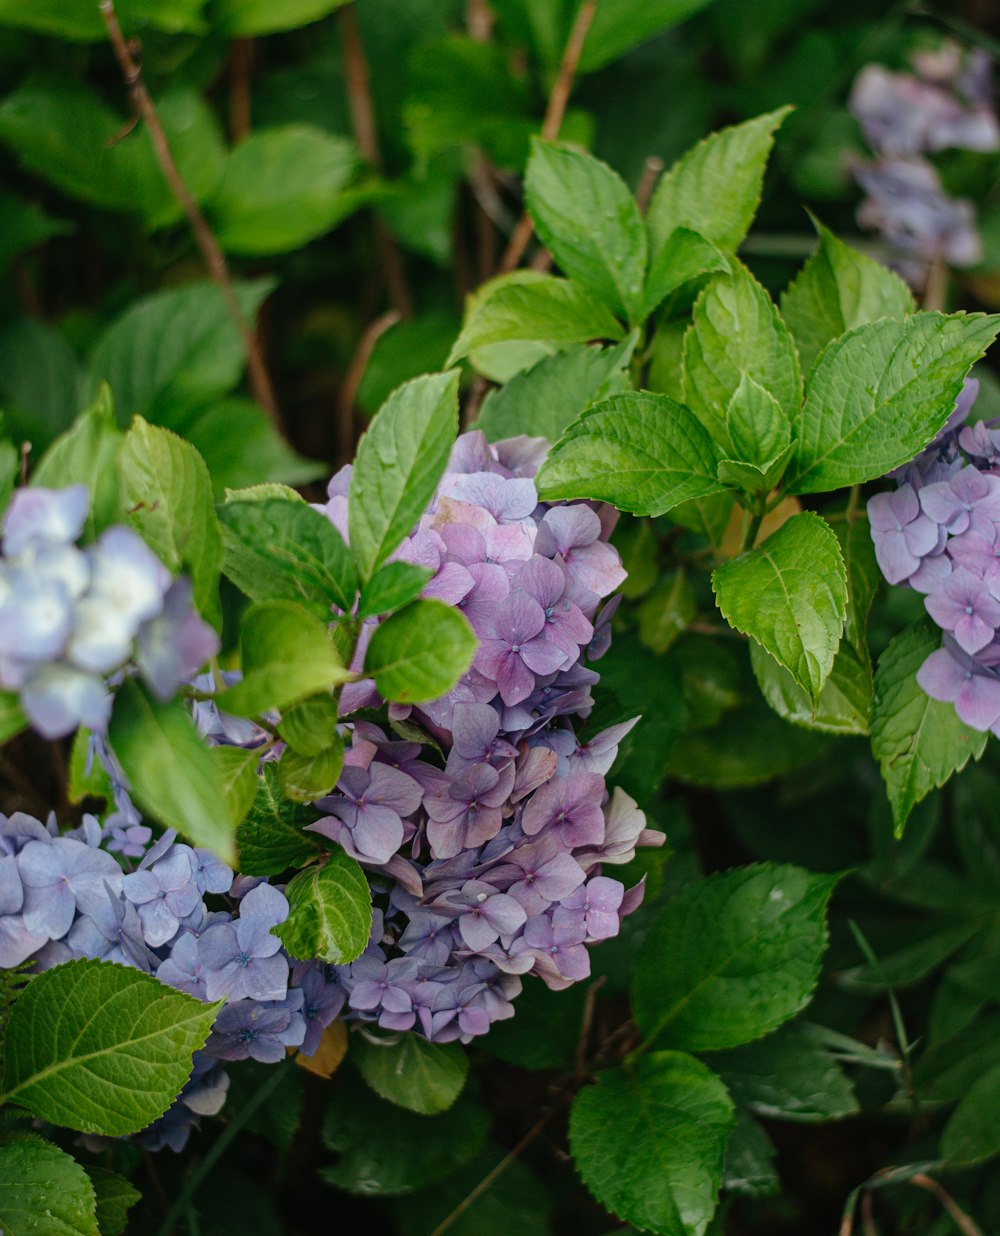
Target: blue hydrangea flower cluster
{"type": "Point", "coordinates": [946, 103]}
{"type": "Point", "coordinates": [939, 532]}
{"type": "Point", "coordinates": [70, 617]}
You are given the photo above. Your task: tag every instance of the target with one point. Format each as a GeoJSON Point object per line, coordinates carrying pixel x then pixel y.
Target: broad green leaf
{"type": "Point", "coordinates": [331, 911]}
{"type": "Point", "coordinates": [732, 957]}
{"type": "Point", "coordinates": [844, 704]}
{"type": "Point", "coordinates": [43, 1191]}
{"type": "Point", "coordinates": [751, 479]}
{"type": "Point", "coordinates": [735, 333]}
{"type": "Point", "coordinates": [758, 429]}
{"type": "Point", "coordinates": [305, 778]}
{"type": "Point", "coordinates": [87, 454]}
{"type": "Point", "coordinates": [24, 226]}
{"type": "Point", "coordinates": [239, 777]}
{"type": "Point", "coordinates": [398, 465]}
{"type": "Point", "coordinates": [683, 256]}
{"type": "Point", "coordinates": [619, 25]}
{"type": "Point", "coordinates": [383, 1149]}
{"type": "Point", "coordinates": [527, 306]}
{"type": "Point", "coordinates": [172, 352]}
{"type": "Point", "coordinates": [270, 839]}
{"type": "Point", "coordinates": [40, 382]}
{"type": "Point", "coordinates": [642, 452]}
{"type": "Point", "coordinates": [172, 773]}
{"type": "Point", "coordinates": [548, 1034]}
{"type": "Point", "coordinates": [880, 393]}
{"type": "Point", "coordinates": [972, 1134]}
{"type": "Point", "coordinates": [101, 1048]}
{"type": "Point", "coordinates": [393, 585]}
{"type": "Point", "coordinates": [412, 1073]}
{"type": "Point", "coordinates": [546, 399]}
{"type": "Point", "coordinates": [837, 290]}
{"type": "Point", "coordinates": [276, 550]}
{"type": "Point", "coordinates": [790, 595]}
{"type": "Point", "coordinates": [749, 1168]}
{"type": "Point", "coordinates": [918, 742]}
{"type": "Point", "coordinates": [420, 652]}
{"type": "Point", "coordinates": [115, 1197]}
{"type": "Point", "coordinates": [310, 727]}
{"type": "Point", "coordinates": [80, 21]}
{"type": "Point", "coordinates": [715, 188]}
{"type": "Point", "coordinates": [586, 217]}
{"type": "Point", "coordinates": [282, 188]}
{"type": "Point", "coordinates": [666, 611]}
{"type": "Point", "coordinates": [287, 655]}
{"type": "Point", "coordinates": [649, 1140]}
{"type": "Point", "coordinates": [241, 446]}
{"type": "Point", "coordinates": [789, 1075]}
{"type": "Point", "coordinates": [167, 496]}
{"type": "Point", "coordinates": [238, 19]}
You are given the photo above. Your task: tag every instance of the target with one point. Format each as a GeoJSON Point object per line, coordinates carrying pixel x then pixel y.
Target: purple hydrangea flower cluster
{"type": "Point", "coordinates": [939, 532]}
{"type": "Point", "coordinates": [70, 617]}
{"type": "Point", "coordinates": [946, 103]}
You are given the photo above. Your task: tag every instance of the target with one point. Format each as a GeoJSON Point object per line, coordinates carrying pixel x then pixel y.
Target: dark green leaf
{"type": "Point", "coordinates": [115, 1197]}
{"type": "Point", "coordinates": [412, 1073]}
{"type": "Point", "coordinates": [972, 1134]}
{"type": "Point", "coordinates": [843, 705]}
{"type": "Point", "coordinates": [749, 1168]}
{"type": "Point", "coordinates": [240, 446]}
{"type": "Point", "coordinates": [270, 839]}
{"type": "Point", "coordinates": [43, 1191]}
{"type": "Point", "coordinates": [305, 778]}
{"type": "Point", "coordinates": [80, 20]}
{"type": "Point", "coordinates": [248, 18]}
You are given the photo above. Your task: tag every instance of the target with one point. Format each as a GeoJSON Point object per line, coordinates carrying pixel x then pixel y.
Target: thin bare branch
{"type": "Point", "coordinates": [352, 380]}
{"type": "Point", "coordinates": [647, 182]}
{"type": "Point", "coordinates": [240, 65]}
{"type": "Point", "coordinates": [965, 1224]}
{"type": "Point", "coordinates": [211, 252]}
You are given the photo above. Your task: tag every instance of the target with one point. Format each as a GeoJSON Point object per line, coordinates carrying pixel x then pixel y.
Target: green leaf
{"type": "Point", "coordinates": [310, 727]}
{"type": "Point", "coordinates": [918, 742]}
{"type": "Point", "coordinates": [758, 428]}
{"type": "Point", "coordinates": [287, 654]}
{"type": "Point", "coordinates": [586, 217]}
{"type": "Point", "coordinates": [546, 399]}
{"type": "Point", "coordinates": [305, 778]}
{"type": "Point", "coordinates": [619, 25]}
{"type": "Point", "coordinates": [789, 1075]}
{"type": "Point", "coordinates": [115, 1198]}
{"type": "Point", "coordinates": [87, 454]}
{"type": "Point", "coordinates": [642, 452]}
{"type": "Point", "coordinates": [547, 1034]}
{"type": "Point", "coordinates": [527, 306]}
{"type": "Point", "coordinates": [167, 495]}
{"type": "Point", "coordinates": [12, 719]}
{"type": "Point", "coordinates": [84, 782]}
{"type": "Point", "coordinates": [880, 393]}
{"type": "Point", "coordinates": [420, 652]}
{"type": "Point", "coordinates": [44, 1192]}
{"type": "Point", "coordinates": [238, 19]}
{"type": "Point", "coordinates": [173, 776]}
{"type": "Point", "coordinates": [276, 550]}
{"type": "Point", "coordinates": [398, 465]}
{"type": "Point", "coordinates": [393, 585]}
{"type": "Point", "coordinates": [39, 381]}
{"type": "Point", "coordinates": [282, 188]}
{"type": "Point", "coordinates": [837, 290]}
{"type": "Point", "coordinates": [971, 1134]}
{"type": "Point", "coordinates": [239, 777]}
{"type": "Point", "coordinates": [749, 1168]}
{"type": "Point", "coordinates": [751, 479]}
{"type": "Point", "coordinates": [24, 226]}
{"type": "Point", "coordinates": [715, 188]}
{"type": "Point", "coordinates": [331, 911]}
{"type": "Point", "coordinates": [240, 446]}
{"type": "Point", "coordinates": [270, 839]}
{"type": "Point", "coordinates": [683, 256]}
{"type": "Point", "coordinates": [863, 579]}
{"type": "Point", "coordinates": [666, 611]}
{"type": "Point", "coordinates": [732, 957]}
{"type": "Point", "coordinates": [844, 704]}
{"type": "Point", "coordinates": [649, 1140]}
{"type": "Point", "coordinates": [790, 595]}
{"type": "Point", "coordinates": [101, 1048]}
{"type": "Point", "coordinates": [171, 353]}
{"type": "Point", "coordinates": [80, 21]}
{"type": "Point", "coordinates": [735, 333]}
{"type": "Point", "coordinates": [410, 1072]}
{"type": "Point", "coordinates": [515, 1201]}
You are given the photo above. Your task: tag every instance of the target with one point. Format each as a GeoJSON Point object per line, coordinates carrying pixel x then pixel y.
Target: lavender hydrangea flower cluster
{"type": "Point", "coordinates": [945, 104]}
{"type": "Point", "coordinates": [939, 532]}
{"type": "Point", "coordinates": [70, 617]}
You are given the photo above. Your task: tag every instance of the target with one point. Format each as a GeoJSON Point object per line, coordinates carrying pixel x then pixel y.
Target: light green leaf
{"type": "Point", "coordinates": [642, 452]}
{"type": "Point", "coordinates": [172, 352]}
{"type": "Point", "coordinates": [279, 550]}
{"type": "Point", "coordinates": [393, 585]}
{"type": "Point", "coordinates": [287, 655]}
{"type": "Point", "coordinates": [43, 1191]}
{"type": "Point", "coordinates": [420, 652]}
{"type": "Point", "coordinates": [167, 496]}
{"type": "Point", "coordinates": [239, 778]}
{"type": "Point", "coordinates": [331, 911]}
{"type": "Point", "coordinates": [270, 839]}
{"type": "Point", "coordinates": [649, 1140]}
{"type": "Point", "coordinates": [398, 465]}
{"type": "Point", "coordinates": [115, 1197]}
{"type": "Point", "coordinates": [304, 778]}
{"type": "Point", "coordinates": [878, 394]}
{"type": "Point", "coordinates": [241, 446]}
{"type": "Point", "coordinates": [837, 290]}
{"type": "Point", "coordinates": [683, 256]}
{"type": "Point", "coordinates": [310, 727]}
{"type": "Point", "coordinates": [12, 719]}
{"type": "Point", "coordinates": [918, 742]}
{"type": "Point", "coordinates": [283, 187]}
{"type": "Point", "coordinates": [735, 333]}
{"type": "Point", "coordinates": [80, 21]}
{"type": "Point", "coordinates": [732, 957]}
{"type": "Point", "coordinates": [588, 220]}
{"type": "Point", "coordinates": [546, 399]}
{"type": "Point", "coordinates": [172, 774]}
{"type": "Point", "coordinates": [239, 19]}
{"type": "Point", "coordinates": [844, 703]}
{"type": "Point", "coordinates": [758, 428]}
{"type": "Point", "coordinates": [412, 1073]}
{"type": "Point", "coordinates": [101, 1048]}
{"type": "Point", "coordinates": [751, 479]}
{"type": "Point", "coordinates": [87, 454]}
{"type": "Point", "coordinates": [790, 595]}
{"type": "Point", "coordinates": [715, 188]}
{"type": "Point", "coordinates": [971, 1134]}
{"type": "Point", "coordinates": [619, 25]}
{"type": "Point", "coordinates": [527, 306]}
